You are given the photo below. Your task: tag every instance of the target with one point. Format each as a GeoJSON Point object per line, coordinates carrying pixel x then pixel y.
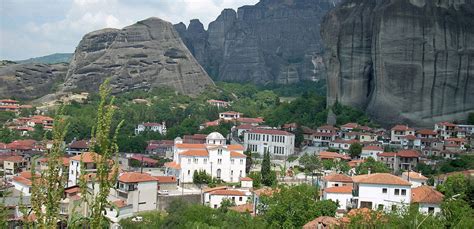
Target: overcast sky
{"type": "Point", "coordinates": [32, 28]}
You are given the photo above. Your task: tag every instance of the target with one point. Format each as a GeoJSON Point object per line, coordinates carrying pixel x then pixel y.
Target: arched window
{"type": "Point", "coordinates": [218, 173]}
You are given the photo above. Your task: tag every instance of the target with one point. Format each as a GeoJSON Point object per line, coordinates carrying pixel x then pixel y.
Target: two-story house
{"type": "Point", "coordinates": [138, 189]}
{"type": "Point", "coordinates": [151, 127]}
{"type": "Point", "coordinates": [371, 151]}
{"type": "Point", "coordinates": [89, 159]}
{"type": "Point", "coordinates": [380, 191]}
{"type": "Point", "coordinates": [276, 142]}
{"type": "Point", "coordinates": [400, 131]}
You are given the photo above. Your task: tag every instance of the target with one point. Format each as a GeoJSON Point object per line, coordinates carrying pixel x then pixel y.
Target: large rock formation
{"type": "Point", "coordinates": [147, 54]}
{"type": "Point", "coordinates": [274, 41]}
{"type": "Point", "coordinates": [30, 81]}
{"type": "Point", "coordinates": [402, 60]}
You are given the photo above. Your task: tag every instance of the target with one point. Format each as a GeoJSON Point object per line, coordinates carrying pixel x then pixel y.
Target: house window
{"type": "Point", "coordinates": [233, 199]}
{"type": "Point", "coordinates": [240, 198]}
{"type": "Point", "coordinates": [404, 192]}
{"type": "Point", "coordinates": [394, 207]}
{"type": "Point", "coordinates": [218, 173]}
{"type": "Point", "coordinates": [219, 151]}
{"type": "Point", "coordinates": [205, 160]}
{"type": "Point", "coordinates": [219, 161]}
{"type": "Point", "coordinates": [215, 205]}
{"type": "Point", "coordinates": [195, 160]}
{"type": "Point", "coordinates": [384, 190]}
{"type": "Point", "coordinates": [241, 161]}
{"type": "Point", "coordinates": [189, 172]}
{"type": "Point", "coordinates": [380, 207]}
{"type": "Point", "coordinates": [431, 210]}
{"type": "Point", "coordinates": [232, 161]}
{"type": "Point", "coordinates": [396, 191]}
{"type": "Point", "coordinates": [189, 160]}
{"type": "Point", "coordinates": [336, 185]}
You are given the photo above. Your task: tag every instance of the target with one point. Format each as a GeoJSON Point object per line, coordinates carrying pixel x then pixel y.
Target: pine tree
{"type": "Point", "coordinates": [267, 176]}
{"type": "Point", "coordinates": [248, 160]}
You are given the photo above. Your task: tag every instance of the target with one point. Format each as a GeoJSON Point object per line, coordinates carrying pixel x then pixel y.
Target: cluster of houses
{"type": "Point", "coordinates": [11, 105]}
{"type": "Point", "coordinates": [26, 125]}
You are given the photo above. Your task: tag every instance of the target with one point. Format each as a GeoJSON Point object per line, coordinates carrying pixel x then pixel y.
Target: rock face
{"type": "Point", "coordinates": [147, 54]}
{"type": "Point", "coordinates": [274, 41]}
{"type": "Point", "coordinates": [30, 81]}
{"type": "Point", "coordinates": [405, 61]}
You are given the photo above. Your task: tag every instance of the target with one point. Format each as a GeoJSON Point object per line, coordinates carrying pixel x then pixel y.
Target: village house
{"type": "Point", "coordinates": [138, 189]}
{"type": "Point", "coordinates": [400, 131]}
{"type": "Point", "coordinates": [9, 105]}
{"type": "Point", "coordinates": [23, 182]}
{"type": "Point", "coordinates": [401, 160]}
{"type": "Point", "coordinates": [167, 183]}
{"type": "Point", "coordinates": [446, 129]}
{"type": "Point", "coordinates": [416, 179]}
{"type": "Point", "coordinates": [160, 148]}
{"type": "Point", "coordinates": [45, 121]}
{"type": "Point", "coordinates": [209, 124]}
{"type": "Point", "coordinates": [468, 129]}
{"type": "Point", "coordinates": [151, 127]}
{"type": "Point", "coordinates": [410, 142]}
{"type": "Point", "coordinates": [278, 143]}
{"type": "Point", "coordinates": [229, 115]}
{"type": "Point", "coordinates": [324, 135]}
{"type": "Point", "coordinates": [454, 144]}
{"type": "Point", "coordinates": [89, 160]}
{"type": "Point", "coordinates": [428, 199]}
{"type": "Point", "coordinates": [336, 180]}
{"type": "Point", "coordinates": [218, 103]}
{"type": "Point", "coordinates": [426, 133]}
{"type": "Point", "coordinates": [348, 127]}
{"type": "Point", "coordinates": [14, 164]}
{"type": "Point", "coordinates": [195, 139]}
{"type": "Point", "coordinates": [42, 164]}
{"type": "Point", "coordinates": [341, 144]}
{"type": "Point", "coordinates": [371, 151]}
{"type": "Point", "coordinates": [252, 121]}
{"type": "Point", "coordinates": [241, 129]}
{"type": "Point", "coordinates": [339, 194]}
{"type": "Point", "coordinates": [213, 197]}
{"type": "Point", "coordinates": [76, 147]}
{"type": "Point", "coordinates": [380, 191]}
{"type": "Point", "coordinates": [215, 157]}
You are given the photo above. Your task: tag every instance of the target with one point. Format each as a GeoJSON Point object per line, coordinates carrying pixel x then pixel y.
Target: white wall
{"type": "Point", "coordinates": [25, 189]}
{"type": "Point", "coordinates": [214, 201]}
{"type": "Point", "coordinates": [74, 172]}
{"type": "Point", "coordinates": [144, 198]}
{"type": "Point", "coordinates": [423, 207]}
{"type": "Point", "coordinates": [342, 198]}
{"type": "Point", "coordinates": [373, 193]}
{"type": "Point", "coordinates": [370, 153]}
{"type": "Point", "coordinates": [261, 144]}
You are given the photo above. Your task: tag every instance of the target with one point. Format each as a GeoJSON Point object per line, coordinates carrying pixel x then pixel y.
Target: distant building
{"type": "Point", "coordinates": [401, 160]}
{"type": "Point", "coordinates": [416, 179]}
{"type": "Point", "coordinates": [229, 115]}
{"type": "Point", "coordinates": [161, 148]}
{"type": "Point", "coordinates": [215, 157]}
{"type": "Point", "coordinates": [218, 103]}
{"type": "Point", "coordinates": [400, 131]}
{"type": "Point", "coordinates": [89, 159]}
{"type": "Point", "coordinates": [76, 147]}
{"type": "Point", "coordinates": [371, 151]}
{"type": "Point", "coordinates": [446, 129]}
{"type": "Point", "coordinates": [276, 142]}
{"type": "Point", "coordinates": [428, 199]}
{"type": "Point", "coordinates": [213, 197]}
{"type": "Point", "coordinates": [137, 189]}
{"type": "Point", "coordinates": [339, 194]}
{"type": "Point", "coordinates": [151, 127]}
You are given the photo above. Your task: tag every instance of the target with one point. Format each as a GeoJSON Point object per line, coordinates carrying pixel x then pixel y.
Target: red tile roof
{"type": "Point", "coordinates": [28, 144]}
{"type": "Point", "coordinates": [271, 132]}
{"type": "Point", "coordinates": [409, 137]}
{"type": "Point", "coordinates": [246, 179]}
{"type": "Point", "coordinates": [144, 159]}
{"type": "Point", "coordinates": [235, 147]}
{"type": "Point", "coordinates": [414, 175]}
{"type": "Point", "coordinates": [387, 154]}
{"type": "Point", "coordinates": [150, 124]}
{"type": "Point", "coordinates": [16, 159]}
{"type": "Point", "coordinates": [426, 132]}
{"type": "Point", "coordinates": [166, 179]}
{"type": "Point", "coordinates": [228, 192]}
{"type": "Point", "coordinates": [408, 153]}
{"type": "Point", "coordinates": [119, 203]}
{"type": "Point", "coordinates": [323, 222]}
{"type": "Point", "coordinates": [332, 155]}
{"type": "Point", "coordinates": [250, 120]}
{"type": "Point", "coordinates": [190, 146]}
{"type": "Point", "coordinates": [248, 207]}
{"type": "Point", "coordinates": [195, 153]}
{"type": "Point", "coordinates": [350, 125]}
{"type": "Point", "coordinates": [375, 148]}
{"type": "Point", "coordinates": [245, 127]}
{"type": "Point", "coordinates": [173, 165]}
{"type": "Point", "coordinates": [86, 157]}
{"type": "Point", "coordinates": [72, 190]}
{"type": "Point", "coordinates": [134, 177]}
{"type": "Point", "coordinates": [380, 178]}
{"type": "Point", "coordinates": [446, 124]}
{"type": "Point", "coordinates": [8, 101]}
{"type": "Point", "coordinates": [338, 178]}
{"type": "Point", "coordinates": [355, 163]}
{"type": "Point", "coordinates": [65, 160]}
{"type": "Point", "coordinates": [426, 194]}
{"type": "Point", "coordinates": [401, 128]}
{"type": "Point", "coordinates": [339, 189]}
{"type": "Point", "coordinates": [80, 144]}
{"type": "Point", "coordinates": [22, 180]}
{"type": "Point", "coordinates": [235, 154]}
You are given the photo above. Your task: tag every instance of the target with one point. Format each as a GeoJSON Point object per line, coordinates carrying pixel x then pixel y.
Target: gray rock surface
{"type": "Point", "coordinates": [144, 55]}
{"type": "Point", "coordinates": [274, 41]}
{"type": "Point", "coordinates": [30, 81]}
{"type": "Point", "coordinates": [402, 61]}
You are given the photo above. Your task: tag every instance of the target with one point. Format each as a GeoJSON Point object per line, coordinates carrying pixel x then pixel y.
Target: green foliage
{"type": "Point", "coordinates": [151, 219]}
{"type": "Point", "coordinates": [226, 204]}
{"type": "Point", "coordinates": [463, 162]}
{"type": "Point", "coordinates": [346, 114]}
{"type": "Point", "coordinates": [425, 169]}
{"type": "Point", "coordinates": [201, 177]}
{"type": "Point", "coordinates": [375, 167]}
{"type": "Point", "coordinates": [310, 163]}
{"type": "Point", "coordinates": [355, 150]}
{"type": "Point", "coordinates": [294, 206]}
{"type": "Point", "coordinates": [257, 179]}
{"type": "Point", "coordinates": [6, 116]}
{"type": "Point", "coordinates": [470, 119]}
{"type": "Point", "coordinates": [299, 137]}
{"type": "Point", "coordinates": [457, 213]}
{"type": "Point", "coordinates": [248, 160]}
{"type": "Point", "coordinates": [268, 176]}
{"type": "Point", "coordinates": [298, 89]}
{"type": "Point", "coordinates": [7, 136]}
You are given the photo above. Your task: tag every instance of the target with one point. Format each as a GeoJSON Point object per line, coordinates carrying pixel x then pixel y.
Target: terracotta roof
{"type": "Point", "coordinates": [350, 125]}
{"type": "Point", "coordinates": [455, 140]}
{"type": "Point", "coordinates": [39, 119]}
{"type": "Point", "coordinates": [211, 123]}
{"type": "Point", "coordinates": [135, 177]}
{"type": "Point", "coordinates": [215, 100]}
{"type": "Point", "coordinates": [415, 175]}
{"type": "Point", "coordinates": [426, 194]}
{"type": "Point", "coordinates": [339, 189]}
{"type": "Point", "coordinates": [246, 179]}
{"type": "Point", "coordinates": [235, 154]}
{"type": "Point", "coordinates": [408, 153]}
{"type": "Point", "coordinates": [401, 128]}
{"type": "Point", "coordinates": [327, 127]}
{"type": "Point", "coordinates": [338, 178]}
{"type": "Point", "coordinates": [380, 178]}
{"type": "Point", "coordinates": [27, 144]}
{"type": "Point", "coordinates": [195, 153]}
{"type": "Point", "coordinates": [245, 127]}
{"type": "Point", "coordinates": [426, 132]}
{"type": "Point", "coordinates": [228, 192]}
{"type": "Point", "coordinates": [28, 174]}
{"type": "Point", "coordinates": [86, 157]}
{"type": "Point", "coordinates": [271, 132]}
{"type": "Point", "coordinates": [119, 203]}
{"type": "Point", "coordinates": [250, 120]}
{"type": "Point", "coordinates": [172, 165]}
{"type": "Point", "coordinates": [215, 188]}
{"type": "Point", "coordinates": [332, 155]}
{"type": "Point", "coordinates": [144, 159]}
{"type": "Point", "coordinates": [14, 159]}
{"type": "Point", "coordinates": [235, 147]}
{"type": "Point", "coordinates": [65, 160]}
{"type": "Point", "coordinates": [230, 112]}
{"type": "Point", "coordinates": [81, 144]}
{"type": "Point", "coordinates": [8, 101]}
{"type": "Point", "coordinates": [386, 154]}
{"type": "Point", "coordinates": [446, 124]}
{"type": "Point", "coordinates": [265, 191]}
{"type": "Point", "coordinates": [150, 124]}
{"type": "Point", "coordinates": [322, 222]}
{"type": "Point", "coordinates": [248, 207]}
{"type": "Point", "coordinates": [166, 179]}
{"type": "Point", "coordinates": [22, 180]}
{"type": "Point", "coordinates": [345, 141]}
{"type": "Point", "coordinates": [72, 190]}
{"type": "Point", "coordinates": [190, 146]}
{"type": "Point", "coordinates": [409, 137]}
{"type": "Point", "coordinates": [290, 125]}
{"type": "Point", "coordinates": [355, 163]}
{"type": "Point", "coordinates": [376, 148]}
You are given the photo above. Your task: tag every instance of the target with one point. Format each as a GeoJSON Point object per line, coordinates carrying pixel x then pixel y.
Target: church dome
{"type": "Point", "coordinates": [215, 136]}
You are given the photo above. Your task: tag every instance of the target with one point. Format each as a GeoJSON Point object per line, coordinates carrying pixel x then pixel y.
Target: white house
{"type": "Point", "coordinates": [400, 131]}
{"type": "Point", "coordinates": [276, 142]}
{"type": "Point", "coordinates": [221, 161]}
{"type": "Point", "coordinates": [370, 151]}
{"type": "Point", "coordinates": [23, 182]}
{"type": "Point", "coordinates": [381, 191]}
{"type": "Point", "coordinates": [89, 159]}
{"type": "Point", "coordinates": [137, 189]}
{"type": "Point", "coordinates": [427, 198]}
{"type": "Point", "coordinates": [152, 127]}
{"type": "Point", "coordinates": [213, 197]}
{"type": "Point", "coordinates": [446, 129]}
{"type": "Point", "coordinates": [229, 115]}
{"type": "Point", "coordinates": [246, 182]}
{"type": "Point", "coordinates": [342, 144]}
{"type": "Point", "coordinates": [416, 179]}
{"type": "Point", "coordinates": [341, 195]}
{"type": "Point", "coordinates": [336, 180]}
{"type": "Point", "coordinates": [218, 103]}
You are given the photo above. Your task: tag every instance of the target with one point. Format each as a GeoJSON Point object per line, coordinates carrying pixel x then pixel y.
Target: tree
{"type": "Point", "coordinates": [294, 206]}
{"type": "Point", "coordinates": [226, 204]}
{"type": "Point", "coordinates": [248, 160]}
{"type": "Point", "coordinates": [310, 163]}
{"type": "Point", "coordinates": [104, 144]}
{"type": "Point", "coordinates": [454, 186]}
{"type": "Point", "coordinates": [268, 176]}
{"type": "Point", "coordinates": [374, 166]}
{"type": "Point", "coordinates": [470, 119]}
{"type": "Point", "coordinates": [256, 179]}
{"type": "Point", "coordinates": [299, 137]}
{"type": "Point", "coordinates": [201, 177]}
{"type": "Point", "coordinates": [355, 150]}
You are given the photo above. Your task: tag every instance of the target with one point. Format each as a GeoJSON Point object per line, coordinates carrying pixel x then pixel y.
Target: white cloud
{"type": "Point", "coordinates": [46, 32]}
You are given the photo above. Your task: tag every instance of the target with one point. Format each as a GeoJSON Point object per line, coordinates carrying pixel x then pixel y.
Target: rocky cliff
{"type": "Point", "coordinates": [30, 81]}
{"type": "Point", "coordinates": [147, 54]}
{"type": "Point", "coordinates": [274, 41]}
{"type": "Point", "coordinates": [405, 61]}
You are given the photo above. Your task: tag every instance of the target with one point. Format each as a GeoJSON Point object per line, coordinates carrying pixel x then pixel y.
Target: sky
{"type": "Point", "coordinates": [32, 28]}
